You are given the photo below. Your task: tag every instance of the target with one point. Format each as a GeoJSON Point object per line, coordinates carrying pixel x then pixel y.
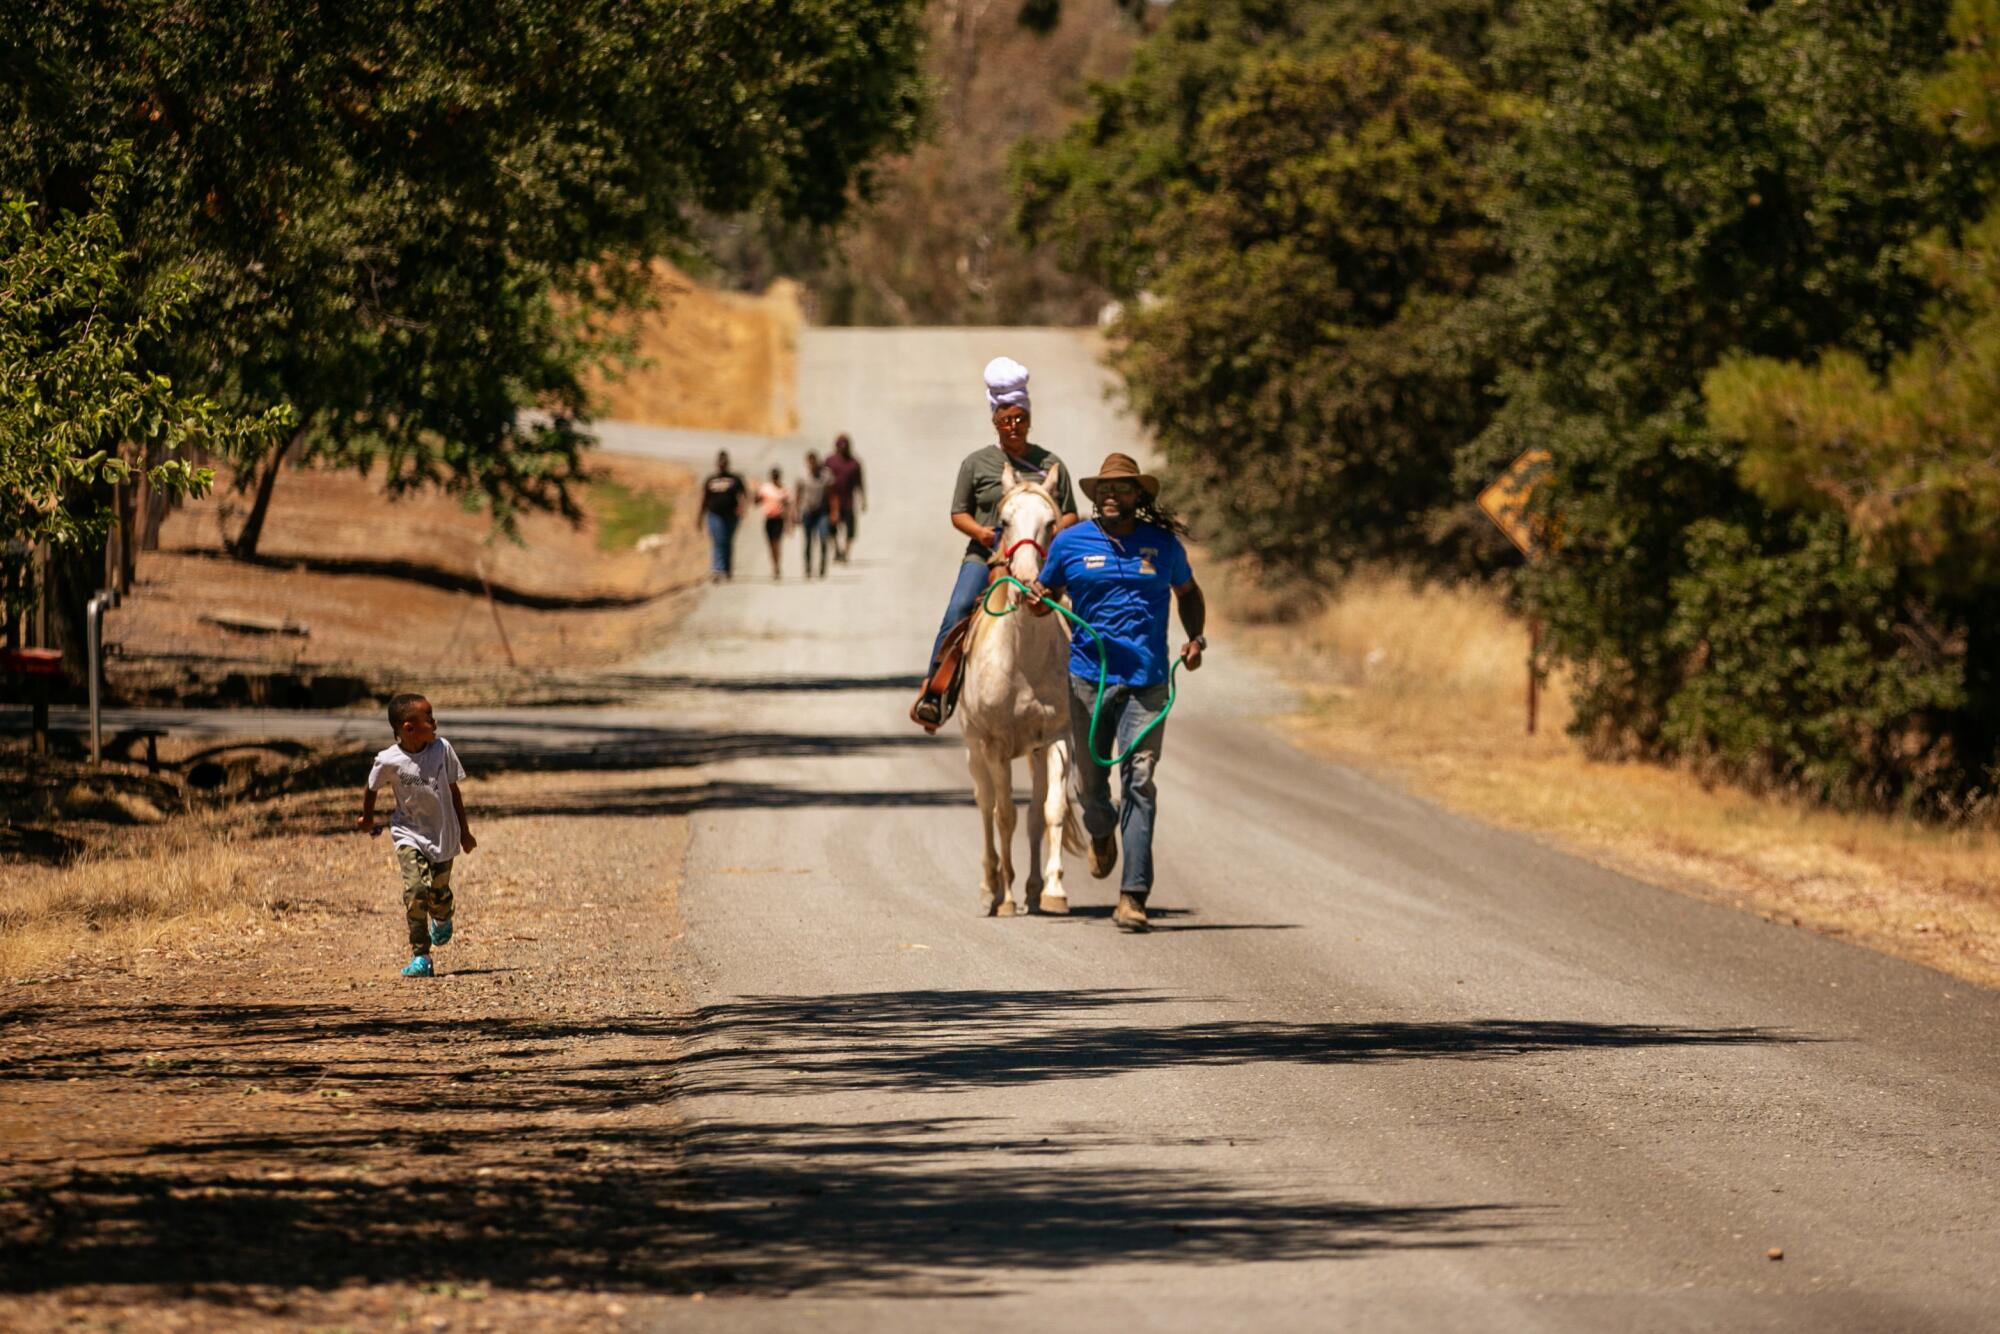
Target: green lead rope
{"type": "Point", "coordinates": [1103, 669]}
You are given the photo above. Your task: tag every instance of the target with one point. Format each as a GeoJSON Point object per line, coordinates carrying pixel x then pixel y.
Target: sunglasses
{"type": "Point", "coordinates": [1119, 488]}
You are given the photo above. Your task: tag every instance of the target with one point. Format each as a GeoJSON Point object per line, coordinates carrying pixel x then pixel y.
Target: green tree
{"type": "Point", "coordinates": [932, 244]}
{"type": "Point", "coordinates": [1304, 361]}
{"type": "Point", "coordinates": [1904, 457]}
{"type": "Point", "coordinates": [1096, 191]}
{"type": "Point", "coordinates": [76, 406]}
{"type": "Point", "coordinates": [409, 220]}
{"type": "Point", "coordinates": [1703, 177]}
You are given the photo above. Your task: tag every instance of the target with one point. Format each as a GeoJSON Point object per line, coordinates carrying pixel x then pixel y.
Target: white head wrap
{"type": "Point", "coordinates": [1006, 384]}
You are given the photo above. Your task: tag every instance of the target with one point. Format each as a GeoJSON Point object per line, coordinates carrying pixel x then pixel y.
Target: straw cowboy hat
{"type": "Point", "coordinates": [1120, 468]}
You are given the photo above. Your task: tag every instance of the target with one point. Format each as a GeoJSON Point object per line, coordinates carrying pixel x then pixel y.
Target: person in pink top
{"type": "Point", "coordinates": [775, 503]}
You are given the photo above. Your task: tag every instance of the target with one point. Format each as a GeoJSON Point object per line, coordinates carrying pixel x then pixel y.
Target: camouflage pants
{"type": "Point", "coordinates": [426, 894]}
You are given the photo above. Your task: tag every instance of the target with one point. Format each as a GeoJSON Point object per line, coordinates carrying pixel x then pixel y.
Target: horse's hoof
{"type": "Point", "coordinates": [1005, 908]}
{"type": "Point", "coordinates": [1053, 905]}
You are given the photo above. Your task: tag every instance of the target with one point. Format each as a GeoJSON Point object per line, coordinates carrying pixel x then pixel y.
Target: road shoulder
{"type": "Point", "coordinates": [274, 1125]}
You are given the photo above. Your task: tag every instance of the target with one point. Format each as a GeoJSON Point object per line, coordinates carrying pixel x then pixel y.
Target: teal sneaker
{"type": "Point", "coordinates": [440, 931]}
{"type": "Point", "coordinates": [419, 967]}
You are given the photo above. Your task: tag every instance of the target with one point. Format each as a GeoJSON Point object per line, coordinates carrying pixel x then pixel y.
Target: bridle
{"type": "Point", "coordinates": [998, 562]}
{"type": "Point", "coordinates": [1040, 550]}
{"type": "Point", "coordinates": [996, 565]}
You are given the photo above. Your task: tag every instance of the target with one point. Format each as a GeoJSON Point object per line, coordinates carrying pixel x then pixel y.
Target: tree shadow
{"type": "Point", "coordinates": [561, 746]}
{"type": "Point", "coordinates": [435, 576]}
{"type": "Point", "coordinates": [940, 1040]}
{"type": "Point", "coordinates": [572, 745]}
{"type": "Point", "coordinates": [524, 1153]}
{"type": "Point", "coordinates": [720, 796]}
{"type": "Point", "coordinates": [758, 685]}
{"type": "Point", "coordinates": [747, 1207]}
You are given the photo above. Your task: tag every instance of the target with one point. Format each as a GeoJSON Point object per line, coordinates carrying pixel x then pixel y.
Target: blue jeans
{"type": "Point", "coordinates": [819, 532]}
{"type": "Point", "coordinates": [722, 543]}
{"type": "Point", "coordinates": [1127, 709]}
{"type": "Point", "coordinates": [964, 597]}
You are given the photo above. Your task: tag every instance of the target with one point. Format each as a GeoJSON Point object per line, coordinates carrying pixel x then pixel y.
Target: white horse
{"type": "Point", "coordinates": [1014, 702]}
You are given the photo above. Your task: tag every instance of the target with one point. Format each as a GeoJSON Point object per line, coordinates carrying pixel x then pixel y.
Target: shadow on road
{"type": "Point", "coordinates": [1170, 921]}
{"type": "Point", "coordinates": [569, 746]}
{"type": "Point", "coordinates": [781, 685]}
{"type": "Point", "coordinates": [935, 1040]}
{"type": "Point", "coordinates": [527, 1152]}
{"type": "Point", "coordinates": [718, 796]}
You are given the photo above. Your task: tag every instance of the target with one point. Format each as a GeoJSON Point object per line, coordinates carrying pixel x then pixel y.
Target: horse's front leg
{"type": "Point", "coordinates": [1052, 801]}
{"type": "Point", "coordinates": [992, 785]}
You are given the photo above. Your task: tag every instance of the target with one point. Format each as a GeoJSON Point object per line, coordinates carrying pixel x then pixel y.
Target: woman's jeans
{"type": "Point", "coordinates": [1127, 710]}
{"type": "Point", "coordinates": [819, 533]}
{"type": "Point", "coordinates": [964, 598]}
{"type": "Point", "coordinates": [722, 543]}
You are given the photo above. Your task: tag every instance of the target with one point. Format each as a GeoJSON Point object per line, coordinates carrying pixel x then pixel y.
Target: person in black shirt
{"type": "Point", "coordinates": [722, 499]}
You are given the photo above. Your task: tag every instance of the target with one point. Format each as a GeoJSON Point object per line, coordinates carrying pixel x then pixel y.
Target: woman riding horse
{"type": "Point", "coordinates": [975, 503]}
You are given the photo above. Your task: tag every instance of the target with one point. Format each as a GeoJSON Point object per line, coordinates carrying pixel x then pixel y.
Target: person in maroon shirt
{"type": "Point", "coordinates": [846, 494]}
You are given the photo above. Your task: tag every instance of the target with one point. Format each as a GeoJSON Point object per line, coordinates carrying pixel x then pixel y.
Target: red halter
{"type": "Point", "coordinates": [1040, 550]}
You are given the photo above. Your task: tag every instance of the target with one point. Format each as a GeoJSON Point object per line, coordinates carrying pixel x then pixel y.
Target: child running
{"type": "Point", "coordinates": [428, 830]}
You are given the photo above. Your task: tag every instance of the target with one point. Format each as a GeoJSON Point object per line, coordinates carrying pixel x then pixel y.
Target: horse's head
{"type": "Point", "coordinates": [1028, 516]}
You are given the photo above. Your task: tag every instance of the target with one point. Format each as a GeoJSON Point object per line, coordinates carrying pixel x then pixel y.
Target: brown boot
{"type": "Point", "coordinates": [1130, 914]}
{"type": "Point", "coordinates": [1103, 856]}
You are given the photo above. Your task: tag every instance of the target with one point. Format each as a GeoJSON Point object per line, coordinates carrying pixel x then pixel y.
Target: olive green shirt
{"type": "Point", "coordinates": [979, 488]}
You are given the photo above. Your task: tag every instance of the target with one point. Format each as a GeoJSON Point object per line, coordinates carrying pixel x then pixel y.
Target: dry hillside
{"type": "Point", "coordinates": [353, 585]}
{"type": "Point", "coordinates": [710, 360]}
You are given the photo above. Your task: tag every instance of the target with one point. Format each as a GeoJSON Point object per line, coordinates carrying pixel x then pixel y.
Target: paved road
{"type": "Point", "coordinates": [1381, 1069]}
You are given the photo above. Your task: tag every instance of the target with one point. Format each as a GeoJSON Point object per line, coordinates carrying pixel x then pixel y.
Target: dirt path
{"type": "Point", "coordinates": [280, 1128]}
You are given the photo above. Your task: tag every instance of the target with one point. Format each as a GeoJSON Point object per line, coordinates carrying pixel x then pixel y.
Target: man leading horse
{"type": "Point", "coordinates": [1118, 572]}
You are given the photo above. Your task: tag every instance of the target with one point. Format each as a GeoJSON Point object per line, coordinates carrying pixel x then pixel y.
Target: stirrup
{"type": "Point", "coordinates": [942, 685]}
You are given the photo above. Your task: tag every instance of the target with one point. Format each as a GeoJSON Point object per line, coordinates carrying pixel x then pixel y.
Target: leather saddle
{"type": "Point", "coordinates": [944, 683]}
{"type": "Point", "coordinates": [946, 680]}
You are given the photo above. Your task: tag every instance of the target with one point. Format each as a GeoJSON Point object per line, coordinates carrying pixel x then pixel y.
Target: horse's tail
{"type": "Point", "coordinates": [1074, 843]}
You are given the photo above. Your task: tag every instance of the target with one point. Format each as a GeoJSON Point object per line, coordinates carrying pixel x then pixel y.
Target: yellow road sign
{"type": "Point", "coordinates": [1506, 502]}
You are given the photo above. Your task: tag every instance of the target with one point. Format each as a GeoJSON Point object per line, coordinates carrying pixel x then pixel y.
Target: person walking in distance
{"type": "Point", "coordinates": [809, 503]}
{"type": "Point", "coordinates": [722, 500]}
{"type": "Point", "coordinates": [775, 504]}
{"type": "Point", "coordinates": [1118, 572]}
{"type": "Point", "coordinates": [849, 494]}
{"type": "Point", "coordinates": [975, 510]}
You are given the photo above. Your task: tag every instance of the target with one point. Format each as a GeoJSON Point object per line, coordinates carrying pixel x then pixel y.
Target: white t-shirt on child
{"type": "Point", "coordinates": [424, 817]}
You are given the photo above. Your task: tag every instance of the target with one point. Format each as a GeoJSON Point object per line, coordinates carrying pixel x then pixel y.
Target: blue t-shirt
{"type": "Point", "coordinates": [1121, 586]}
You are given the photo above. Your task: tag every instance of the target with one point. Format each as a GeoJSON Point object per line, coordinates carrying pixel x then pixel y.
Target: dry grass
{"type": "Point", "coordinates": [99, 863]}
{"type": "Point", "coordinates": [710, 360]}
{"type": "Point", "coordinates": [1428, 684]}
{"type": "Point", "coordinates": [197, 883]}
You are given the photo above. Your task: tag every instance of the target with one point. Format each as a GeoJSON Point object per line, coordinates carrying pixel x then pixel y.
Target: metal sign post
{"type": "Point", "coordinates": [94, 632]}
